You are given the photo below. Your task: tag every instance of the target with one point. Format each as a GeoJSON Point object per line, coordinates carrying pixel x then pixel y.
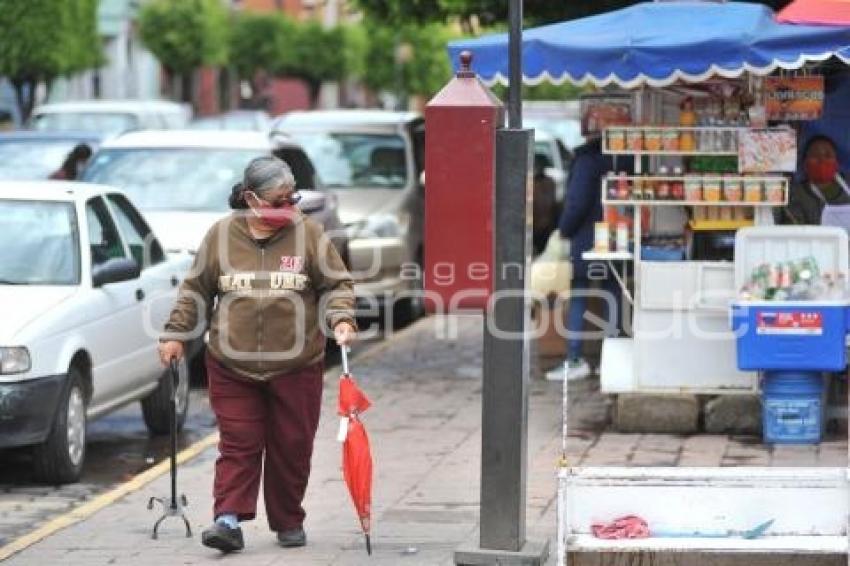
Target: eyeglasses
{"type": "Point", "coordinates": [292, 199]}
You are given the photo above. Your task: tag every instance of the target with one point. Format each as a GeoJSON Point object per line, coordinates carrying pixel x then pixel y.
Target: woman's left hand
{"type": "Point", "coordinates": [345, 334]}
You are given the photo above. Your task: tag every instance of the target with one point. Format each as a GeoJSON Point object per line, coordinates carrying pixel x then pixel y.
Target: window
{"type": "Point", "coordinates": [39, 243]}
{"type": "Point", "coordinates": [103, 237]}
{"type": "Point", "coordinates": [143, 245]}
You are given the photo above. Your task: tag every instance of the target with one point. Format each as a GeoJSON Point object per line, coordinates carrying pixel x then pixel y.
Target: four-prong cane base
{"type": "Point", "coordinates": [171, 508]}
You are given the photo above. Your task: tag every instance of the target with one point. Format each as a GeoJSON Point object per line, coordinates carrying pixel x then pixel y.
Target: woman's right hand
{"type": "Point", "coordinates": [170, 350]}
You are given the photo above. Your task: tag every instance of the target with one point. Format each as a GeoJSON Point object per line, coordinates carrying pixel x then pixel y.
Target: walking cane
{"type": "Point", "coordinates": [173, 507]}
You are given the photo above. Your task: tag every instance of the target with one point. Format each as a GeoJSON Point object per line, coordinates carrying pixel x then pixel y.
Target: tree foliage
{"type": "Point", "coordinates": [272, 43]}
{"type": "Point", "coordinates": [44, 39]}
{"type": "Point", "coordinates": [407, 59]}
{"type": "Point", "coordinates": [258, 41]}
{"type": "Point", "coordinates": [488, 12]}
{"type": "Point", "coordinates": [185, 35]}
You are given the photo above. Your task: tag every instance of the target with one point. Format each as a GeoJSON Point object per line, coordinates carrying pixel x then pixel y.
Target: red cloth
{"type": "Point", "coordinates": [630, 526]}
{"type": "Point", "coordinates": [824, 12]}
{"type": "Point", "coordinates": [275, 421]}
{"type": "Point", "coordinates": [351, 399]}
{"type": "Point", "coordinates": [357, 469]}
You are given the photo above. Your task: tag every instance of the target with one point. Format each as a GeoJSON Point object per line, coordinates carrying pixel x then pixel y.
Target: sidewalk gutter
{"type": "Point", "coordinates": [105, 499]}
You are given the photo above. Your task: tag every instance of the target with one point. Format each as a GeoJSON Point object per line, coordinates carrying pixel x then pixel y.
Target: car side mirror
{"type": "Point", "coordinates": [115, 270]}
{"type": "Point", "coordinates": [422, 181]}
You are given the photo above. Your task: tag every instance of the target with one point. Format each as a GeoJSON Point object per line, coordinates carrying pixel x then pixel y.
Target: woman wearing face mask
{"type": "Point", "coordinates": [823, 198]}
{"type": "Point", "coordinates": [265, 277]}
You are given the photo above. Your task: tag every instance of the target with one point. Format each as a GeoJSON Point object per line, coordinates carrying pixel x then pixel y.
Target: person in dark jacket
{"type": "Point", "coordinates": [269, 282]}
{"type": "Point", "coordinates": [544, 205]}
{"type": "Point", "coordinates": [582, 209]}
{"type": "Point", "coordinates": [820, 198]}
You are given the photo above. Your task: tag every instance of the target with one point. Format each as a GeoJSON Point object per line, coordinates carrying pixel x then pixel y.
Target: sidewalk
{"type": "Point", "coordinates": [425, 430]}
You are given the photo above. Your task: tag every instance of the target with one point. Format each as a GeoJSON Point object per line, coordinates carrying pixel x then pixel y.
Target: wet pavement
{"type": "Point", "coordinates": [118, 448]}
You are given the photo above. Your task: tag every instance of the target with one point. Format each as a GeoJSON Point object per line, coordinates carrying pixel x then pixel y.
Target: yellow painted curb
{"type": "Point", "coordinates": [105, 499]}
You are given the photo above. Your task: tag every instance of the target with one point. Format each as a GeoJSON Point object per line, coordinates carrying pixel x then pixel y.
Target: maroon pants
{"type": "Point", "coordinates": [277, 419]}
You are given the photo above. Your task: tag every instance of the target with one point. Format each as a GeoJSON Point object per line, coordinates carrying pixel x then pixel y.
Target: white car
{"type": "Point", "coordinates": [373, 160]}
{"type": "Point", "coordinates": [110, 117]}
{"type": "Point", "coordinates": [181, 179]}
{"type": "Point", "coordinates": [85, 287]}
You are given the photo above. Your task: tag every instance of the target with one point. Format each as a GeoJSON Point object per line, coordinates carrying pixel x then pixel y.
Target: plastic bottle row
{"type": "Point", "coordinates": [695, 188]}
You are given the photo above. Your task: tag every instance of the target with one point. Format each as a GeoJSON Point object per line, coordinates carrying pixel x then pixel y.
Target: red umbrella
{"type": "Point", "coordinates": [822, 12]}
{"type": "Point", "coordinates": [356, 454]}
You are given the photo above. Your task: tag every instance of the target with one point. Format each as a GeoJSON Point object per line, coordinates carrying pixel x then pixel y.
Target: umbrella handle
{"type": "Point", "coordinates": [344, 350]}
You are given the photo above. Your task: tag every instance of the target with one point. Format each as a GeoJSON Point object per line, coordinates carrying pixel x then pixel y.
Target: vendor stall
{"type": "Point", "coordinates": [705, 161]}
{"type": "Point", "coordinates": [720, 295]}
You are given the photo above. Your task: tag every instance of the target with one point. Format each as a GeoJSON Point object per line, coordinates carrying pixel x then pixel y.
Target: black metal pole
{"type": "Point", "coordinates": [172, 425]}
{"type": "Point", "coordinates": [515, 64]}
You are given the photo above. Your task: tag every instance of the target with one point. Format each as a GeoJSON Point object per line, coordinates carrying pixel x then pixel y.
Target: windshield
{"type": "Point", "coordinates": [198, 179]}
{"type": "Point", "coordinates": [38, 243]}
{"type": "Point", "coordinates": [357, 160]}
{"type": "Point", "coordinates": [104, 122]}
{"type": "Point", "coordinates": [32, 159]}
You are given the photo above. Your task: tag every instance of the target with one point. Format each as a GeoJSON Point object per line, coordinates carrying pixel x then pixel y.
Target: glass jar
{"type": "Point", "coordinates": [611, 185]}
{"type": "Point", "coordinates": [677, 185]}
{"type": "Point", "coordinates": [652, 140]}
{"type": "Point", "coordinates": [634, 140]}
{"type": "Point", "coordinates": [624, 187]}
{"type": "Point", "coordinates": [693, 188]}
{"type": "Point", "coordinates": [774, 190]}
{"type": "Point", "coordinates": [711, 188]}
{"type": "Point", "coordinates": [752, 190]}
{"type": "Point", "coordinates": [616, 139]}
{"type": "Point", "coordinates": [662, 187]}
{"type": "Point", "coordinates": [670, 140]}
{"type": "Point", "coordinates": [601, 238]}
{"type": "Point", "coordinates": [733, 189]}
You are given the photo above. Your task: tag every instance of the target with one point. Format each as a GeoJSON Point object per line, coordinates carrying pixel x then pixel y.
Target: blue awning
{"type": "Point", "coordinates": [657, 44]}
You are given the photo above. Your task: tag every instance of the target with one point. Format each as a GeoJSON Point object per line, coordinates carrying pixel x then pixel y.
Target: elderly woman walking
{"type": "Point", "coordinates": [270, 282]}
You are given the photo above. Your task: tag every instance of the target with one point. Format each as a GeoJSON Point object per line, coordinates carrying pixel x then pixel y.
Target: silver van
{"type": "Point", "coordinates": [110, 117]}
{"type": "Point", "coordinates": [373, 161]}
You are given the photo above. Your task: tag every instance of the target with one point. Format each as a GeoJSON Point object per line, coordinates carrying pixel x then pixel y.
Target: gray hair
{"type": "Point", "coordinates": [261, 175]}
{"type": "Point", "coordinates": [267, 173]}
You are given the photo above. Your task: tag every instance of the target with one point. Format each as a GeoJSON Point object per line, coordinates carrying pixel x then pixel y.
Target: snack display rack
{"type": "Point", "coordinates": [685, 297]}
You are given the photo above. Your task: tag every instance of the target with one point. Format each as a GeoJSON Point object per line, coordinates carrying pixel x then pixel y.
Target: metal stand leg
{"type": "Point", "coordinates": [172, 506]}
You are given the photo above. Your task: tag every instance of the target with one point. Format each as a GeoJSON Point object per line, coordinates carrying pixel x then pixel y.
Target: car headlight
{"type": "Point", "coordinates": [14, 359]}
{"type": "Point", "coordinates": [378, 226]}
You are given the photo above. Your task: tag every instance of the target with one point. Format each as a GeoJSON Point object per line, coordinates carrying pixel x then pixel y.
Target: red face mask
{"type": "Point", "coordinates": [821, 171]}
{"type": "Point", "coordinates": [276, 217]}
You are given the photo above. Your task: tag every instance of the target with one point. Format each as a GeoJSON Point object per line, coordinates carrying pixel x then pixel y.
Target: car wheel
{"type": "Point", "coordinates": [156, 407]}
{"type": "Point", "coordinates": [59, 459]}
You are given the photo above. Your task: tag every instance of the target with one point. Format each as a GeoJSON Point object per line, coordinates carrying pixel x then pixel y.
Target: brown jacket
{"type": "Point", "coordinates": [263, 299]}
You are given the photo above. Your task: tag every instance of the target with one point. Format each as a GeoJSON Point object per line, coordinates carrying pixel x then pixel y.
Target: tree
{"type": "Point", "coordinates": [315, 55]}
{"type": "Point", "coordinates": [488, 12]}
{"type": "Point", "coordinates": [85, 43]}
{"type": "Point", "coordinates": [184, 36]}
{"type": "Point", "coordinates": [407, 60]}
{"type": "Point", "coordinates": [43, 39]}
{"type": "Point", "coordinates": [257, 42]}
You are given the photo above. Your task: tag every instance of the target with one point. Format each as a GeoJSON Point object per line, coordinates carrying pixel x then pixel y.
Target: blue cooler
{"type": "Point", "coordinates": [791, 335]}
{"type": "Point", "coordinates": [792, 407]}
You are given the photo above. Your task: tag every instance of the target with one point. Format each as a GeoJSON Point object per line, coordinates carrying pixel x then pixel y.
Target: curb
{"type": "Point", "coordinates": [88, 509]}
